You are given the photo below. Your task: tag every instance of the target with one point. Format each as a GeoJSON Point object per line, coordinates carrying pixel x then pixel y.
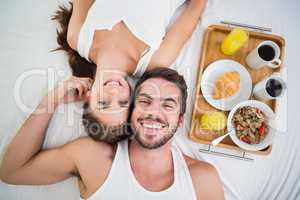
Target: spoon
{"type": "Point", "coordinates": [219, 139]}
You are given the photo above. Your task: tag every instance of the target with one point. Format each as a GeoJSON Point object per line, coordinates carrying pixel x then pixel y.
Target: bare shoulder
{"type": "Point", "coordinates": [93, 160]}
{"type": "Point", "coordinates": [89, 142]}
{"type": "Point", "coordinates": [200, 168]}
{"type": "Point", "coordinates": [206, 180]}
{"type": "Point", "coordinates": [84, 147]}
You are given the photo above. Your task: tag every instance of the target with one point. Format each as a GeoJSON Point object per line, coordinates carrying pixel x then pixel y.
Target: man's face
{"type": "Point", "coordinates": [156, 114]}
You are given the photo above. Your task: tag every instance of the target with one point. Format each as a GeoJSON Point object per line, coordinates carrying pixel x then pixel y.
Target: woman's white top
{"type": "Point", "coordinates": [122, 184]}
{"type": "Point", "coordinates": [146, 19]}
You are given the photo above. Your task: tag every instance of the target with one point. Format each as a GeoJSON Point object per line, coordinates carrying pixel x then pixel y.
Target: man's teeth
{"type": "Point", "coordinates": [153, 126]}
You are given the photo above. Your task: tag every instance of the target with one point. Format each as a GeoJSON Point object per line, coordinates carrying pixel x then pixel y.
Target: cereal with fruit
{"type": "Point", "coordinates": [250, 124]}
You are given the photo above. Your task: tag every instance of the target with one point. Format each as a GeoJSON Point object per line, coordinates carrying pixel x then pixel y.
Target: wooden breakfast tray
{"type": "Point", "coordinates": [210, 53]}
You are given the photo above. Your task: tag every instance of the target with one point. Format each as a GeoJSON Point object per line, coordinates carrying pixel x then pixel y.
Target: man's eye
{"type": "Point", "coordinates": [144, 102]}
{"type": "Point", "coordinates": [168, 107]}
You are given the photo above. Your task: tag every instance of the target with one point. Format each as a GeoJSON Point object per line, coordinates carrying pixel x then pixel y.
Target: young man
{"type": "Point", "coordinates": [146, 167]}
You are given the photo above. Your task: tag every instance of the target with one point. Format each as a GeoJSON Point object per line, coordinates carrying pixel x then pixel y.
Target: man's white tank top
{"type": "Point", "coordinates": [121, 183]}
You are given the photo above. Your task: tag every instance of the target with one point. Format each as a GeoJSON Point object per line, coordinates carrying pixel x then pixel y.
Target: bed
{"type": "Point", "coordinates": [28, 36]}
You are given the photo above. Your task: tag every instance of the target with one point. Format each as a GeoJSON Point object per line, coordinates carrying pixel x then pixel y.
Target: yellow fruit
{"type": "Point", "coordinates": [237, 38]}
{"type": "Point", "coordinates": [213, 121]}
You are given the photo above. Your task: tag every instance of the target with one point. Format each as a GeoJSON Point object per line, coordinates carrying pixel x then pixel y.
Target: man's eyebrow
{"type": "Point", "coordinates": [164, 99]}
{"type": "Point", "coordinates": [170, 99]}
{"type": "Point", "coordinates": [145, 95]}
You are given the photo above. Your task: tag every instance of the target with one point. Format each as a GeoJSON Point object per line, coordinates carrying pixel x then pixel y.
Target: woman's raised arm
{"type": "Point", "coordinates": [178, 34]}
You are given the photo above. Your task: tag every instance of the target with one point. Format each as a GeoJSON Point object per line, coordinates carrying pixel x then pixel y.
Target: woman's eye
{"type": "Point", "coordinates": [124, 103]}
{"type": "Point", "coordinates": [102, 103]}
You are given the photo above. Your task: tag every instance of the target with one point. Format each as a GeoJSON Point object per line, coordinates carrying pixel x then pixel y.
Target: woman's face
{"type": "Point", "coordinates": [109, 98]}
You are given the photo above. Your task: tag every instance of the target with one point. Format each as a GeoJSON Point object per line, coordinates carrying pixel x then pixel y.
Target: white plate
{"type": "Point", "coordinates": [216, 69]}
{"type": "Point", "coordinates": [270, 117]}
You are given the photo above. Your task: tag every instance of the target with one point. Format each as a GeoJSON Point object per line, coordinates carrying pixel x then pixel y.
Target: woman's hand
{"type": "Point", "coordinates": [73, 89]}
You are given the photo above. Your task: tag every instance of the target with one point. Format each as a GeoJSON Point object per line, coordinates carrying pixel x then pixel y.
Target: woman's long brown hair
{"type": "Point", "coordinates": [80, 66]}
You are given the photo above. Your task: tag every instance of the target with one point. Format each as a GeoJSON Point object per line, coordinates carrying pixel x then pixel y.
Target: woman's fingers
{"type": "Point", "coordinates": [80, 89]}
{"type": "Point", "coordinates": [81, 85]}
{"type": "Point", "coordinates": [86, 85]}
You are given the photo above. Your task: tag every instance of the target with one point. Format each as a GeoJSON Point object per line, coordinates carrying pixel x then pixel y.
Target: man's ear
{"type": "Point", "coordinates": [87, 96]}
{"type": "Point", "coordinates": [180, 121]}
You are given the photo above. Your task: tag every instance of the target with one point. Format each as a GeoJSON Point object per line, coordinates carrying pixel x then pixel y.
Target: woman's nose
{"type": "Point", "coordinates": [113, 91]}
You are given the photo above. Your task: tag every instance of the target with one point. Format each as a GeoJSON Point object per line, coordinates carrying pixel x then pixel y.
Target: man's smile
{"type": "Point", "coordinates": [152, 126]}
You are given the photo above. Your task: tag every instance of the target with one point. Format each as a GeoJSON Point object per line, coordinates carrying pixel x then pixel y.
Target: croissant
{"type": "Point", "coordinates": [226, 85]}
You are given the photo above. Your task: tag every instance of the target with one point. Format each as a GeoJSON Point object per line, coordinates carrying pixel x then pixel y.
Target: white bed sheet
{"type": "Point", "coordinates": [27, 36]}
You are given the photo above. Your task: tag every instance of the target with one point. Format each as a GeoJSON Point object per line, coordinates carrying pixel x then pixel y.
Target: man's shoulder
{"type": "Point", "coordinates": [91, 156]}
{"type": "Point", "coordinates": [85, 146]}
{"type": "Point", "coordinates": [200, 168]}
{"type": "Point", "coordinates": [205, 179]}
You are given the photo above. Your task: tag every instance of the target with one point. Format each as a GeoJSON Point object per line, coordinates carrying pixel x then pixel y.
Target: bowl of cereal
{"type": "Point", "coordinates": [251, 125]}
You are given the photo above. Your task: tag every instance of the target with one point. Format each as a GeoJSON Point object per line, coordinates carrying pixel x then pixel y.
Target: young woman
{"type": "Point", "coordinates": [110, 40]}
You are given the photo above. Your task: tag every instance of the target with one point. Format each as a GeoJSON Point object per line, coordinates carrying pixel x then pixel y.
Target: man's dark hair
{"type": "Point", "coordinates": [168, 75]}
{"type": "Point", "coordinates": [101, 132]}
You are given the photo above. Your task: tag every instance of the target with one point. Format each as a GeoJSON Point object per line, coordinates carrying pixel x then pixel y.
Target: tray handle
{"type": "Point", "coordinates": [208, 150]}
{"type": "Point", "coordinates": [257, 28]}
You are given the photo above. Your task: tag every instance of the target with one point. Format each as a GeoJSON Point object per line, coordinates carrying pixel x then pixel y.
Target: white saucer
{"type": "Point", "coordinates": [215, 70]}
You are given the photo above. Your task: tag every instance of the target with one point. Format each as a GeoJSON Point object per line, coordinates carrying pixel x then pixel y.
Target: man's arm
{"type": "Point", "coordinates": [206, 180]}
{"type": "Point", "coordinates": [178, 34]}
{"type": "Point", "coordinates": [24, 162]}
{"type": "Point", "coordinates": [212, 188]}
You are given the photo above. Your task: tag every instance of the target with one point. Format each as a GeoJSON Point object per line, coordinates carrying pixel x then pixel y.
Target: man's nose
{"type": "Point", "coordinates": [153, 108]}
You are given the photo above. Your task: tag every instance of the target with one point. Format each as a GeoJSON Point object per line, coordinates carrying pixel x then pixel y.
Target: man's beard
{"type": "Point", "coordinates": [156, 144]}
